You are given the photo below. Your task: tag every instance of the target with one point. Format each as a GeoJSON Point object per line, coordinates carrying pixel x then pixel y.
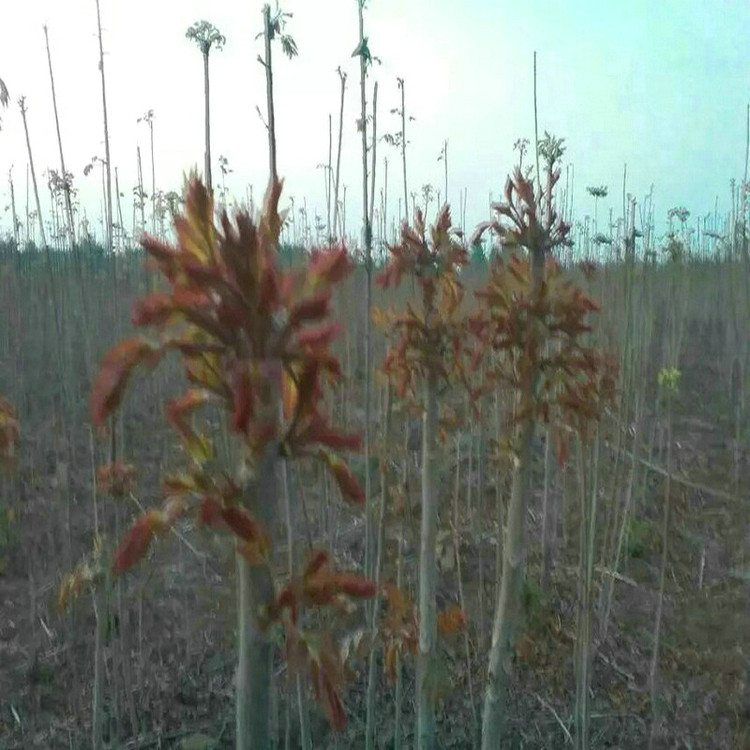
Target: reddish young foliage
{"type": "Point", "coordinates": [137, 540]}
{"type": "Point", "coordinates": [399, 629]}
{"type": "Point", "coordinates": [211, 512]}
{"type": "Point", "coordinates": [255, 342]}
{"type": "Point", "coordinates": [324, 675]}
{"type": "Point", "coordinates": [350, 487]}
{"type": "Point", "coordinates": [428, 339]}
{"type": "Point", "coordinates": [115, 479]}
{"type": "Point", "coordinates": [319, 586]}
{"type": "Point", "coordinates": [451, 620]}
{"type": "Point", "coordinates": [116, 368]}
{"type": "Point", "coordinates": [537, 319]}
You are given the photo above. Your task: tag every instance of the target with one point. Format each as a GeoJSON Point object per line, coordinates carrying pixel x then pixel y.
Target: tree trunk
{"type": "Point", "coordinates": [108, 167]}
{"type": "Point", "coordinates": [66, 186]}
{"type": "Point", "coordinates": [369, 541]}
{"type": "Point", "coordinates": [428, 570]}
{"type": "Point", "coordinates": [403, 147]}
{"type": "Point", "coordinates": [207, 167]}
{"type": "Point", "coordinates": [269, 91]}
{"type": "Point", "coordinates": [342, 76]}
{"type": "Point", "coordinates": [654, 668]}
{"type": "Point", "coordinates": [255, 591]}
{"type": "Point", "coordinates": [16, 238]}
{"type": "Point", "coordinates": [374, 153]}
{"type": "Point", "coordinates": [42, 235]}
{"type": "Point", "coordinates": [508, 604]}
{"type": "Point", "coordinates": [372, 675]}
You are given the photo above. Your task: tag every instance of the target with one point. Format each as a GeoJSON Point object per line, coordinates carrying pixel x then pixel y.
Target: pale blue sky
{"type": "Point", "coordinates": [661, 85]}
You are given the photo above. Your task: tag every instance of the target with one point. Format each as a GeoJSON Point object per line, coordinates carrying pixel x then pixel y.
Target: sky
{"type": "Point", "coordinates": [661, 86]}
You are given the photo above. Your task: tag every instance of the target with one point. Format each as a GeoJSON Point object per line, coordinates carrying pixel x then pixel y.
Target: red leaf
{"type": "Point", "coordinates": [242, 401]}
{"type": "Point", "coordinates": [314, 308]}
{"type": "Point", "coordinates": [255, 552]}
{"type": "Point", "coordinates": [115, 479]}
{"type": "Point", "coordinates": [241, 524]}
{"type": "Point", "coordinates": [336, 440]}
{"type": "Point", "coordinates": [347, 482]}
{"type": "Point", "coordinates": [318, 559]}
{"type": "Point", "coordinates": [355, 586]}
{"type": "Point", "coordinates": [328, 267]}
{"type": "Point", "coordinates": [116, 368]}
{"type": "Point", "coordinates": [318, 336]}
{"type": "Point", "coordinates": [178, 415]}
{"type": "Point", "coordinates": [137, 540]}
{"type": "Point", "coordinates": [154, 309]}
{"type": "Point", "coordinates": [210, 513]}
{"type": "Point", "coordinates": [332, 705]}
{"type": "Point", "coordinates": [451, 620]}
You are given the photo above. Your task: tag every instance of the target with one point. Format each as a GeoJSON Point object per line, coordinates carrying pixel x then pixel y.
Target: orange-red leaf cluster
{"type": "Point", "coordinates": [117, 366]}
{"type": "Point", "coordinates": [451, 620]}
{"type": "Point", "coordinates": [399, 628]}
{"type": "Point", "coordinates": [428, 339]}
{"type": "Point", "coordinates": [116, 479]}
{"type": "Point", "coordinates": [137, 540]}
{"type": "Point", "coordinates": [541, 333]}
{"type": "Point", "coordinates": [319, 586]}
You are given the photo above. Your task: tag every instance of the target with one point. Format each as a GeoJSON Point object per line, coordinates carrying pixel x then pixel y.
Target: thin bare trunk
{"type": "Point", "coordinates": [108, 168]}
{"type": "Point", "coordinates": [269, 91]}
{"type": "Point", "coordinates": [372, 666]}
{"type": "Point", "coordinates": [403, 146]}
{"type": "Point", "coordinates": [66, 186]}
{"type": "Point", "coordinates": [374, 152]}
{"type": "Point", "coordinates": [13, 209]}
{"type": "Point", "coordinates": [304, 728]}
{"type": "Point", "coordinates": [207, 108]}
{"type": "Point", "coordinates": [428, 569]}
{"type": "Point", "coordinates": [43, 236]}
{"type": "Point", "coordinates": [255, 648]}
{"type": "Point", "coordinates": [339, 232]}
{"type": "Point", "coordinates": [508, 604]}
{"type": "Point", "coordinates": [654, 668]}
{"type": "Point", "coordinates": [369, 542]}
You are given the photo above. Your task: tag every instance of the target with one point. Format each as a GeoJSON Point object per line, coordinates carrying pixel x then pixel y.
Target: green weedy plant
{"type": "Point", "coordinates": [255, 344]}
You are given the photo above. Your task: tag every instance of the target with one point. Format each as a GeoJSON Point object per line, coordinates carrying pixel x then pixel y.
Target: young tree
{"type": "Point", "coordinates": [336, 231]}
{"type": "Point", "coordinates": [148, 118]}
{"type": "Point", "coordinates": [273, 26]}
{"type": "Point", "coordinates": [255, 344]}
{"type": "Point", "coordinates": [427, 350]}
{"type": "Point", "coordinates": [526, 305]}
{"type": "Point", "coordinates": [206, 35]}
{"type": "Point", "coordinates": [108, 161]}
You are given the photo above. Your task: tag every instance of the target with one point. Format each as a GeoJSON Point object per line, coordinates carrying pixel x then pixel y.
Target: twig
{"type": "Point", "coordinates": [674, 477]}
{"type": "Point", "coordinates": [546, 705]}
{"type": "Point", "coordinates": [617, 576]}
{"type": "Point", "coordinates": [200, 556]}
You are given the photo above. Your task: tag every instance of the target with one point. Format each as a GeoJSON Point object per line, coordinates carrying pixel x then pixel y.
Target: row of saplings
{"type": "Point", "coordinates": [255, 342]}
